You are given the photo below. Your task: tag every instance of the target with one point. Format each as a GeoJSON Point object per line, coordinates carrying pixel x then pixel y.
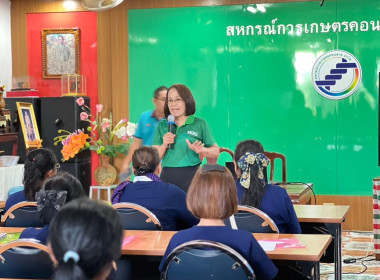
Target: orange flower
{"type": "Point", "coordinates": [73, 144]}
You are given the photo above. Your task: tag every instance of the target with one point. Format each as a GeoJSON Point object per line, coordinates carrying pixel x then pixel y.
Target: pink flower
{"type": "Point", "coordinates": [99, 107]}
{"type": "Point", "coordinates": [105, 125]}
{"type": "Point", "coordinates": [83, 116]}
{"type": "Point", "coordinates": [80, 101]}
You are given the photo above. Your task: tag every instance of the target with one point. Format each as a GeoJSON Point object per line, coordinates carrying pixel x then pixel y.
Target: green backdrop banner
{"type": "Point", "coordinates": [249, 68]}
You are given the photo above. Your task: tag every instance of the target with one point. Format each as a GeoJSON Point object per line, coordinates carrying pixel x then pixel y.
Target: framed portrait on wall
{"type": "Point", "coordinates": [28, 125]}
{"type": "Point", "coordinates": [60, 52]}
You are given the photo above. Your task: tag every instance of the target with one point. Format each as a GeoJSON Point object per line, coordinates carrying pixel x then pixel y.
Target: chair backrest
{"type": "Point", "coordinates": [229, 164]}
{"type": "Point", "coordinates": [136, 217]}
{"type": "Point", "coordinates": [272, 156]}
{"type": "Point", "coordinates": [201, 259]}
{"type": "Point", "coordinates": [25, 259]}
{"type": "Point", "coordinates": [23, 214]}
{"type": "Point", "coordinates": [10, 137]}
{"type": "Point", "coordinates": [251, 219]}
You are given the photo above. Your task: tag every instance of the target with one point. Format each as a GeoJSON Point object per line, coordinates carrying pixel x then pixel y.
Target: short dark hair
{"type": "Point", "coordinates": [63, 181]}
{"type": "Point", "coordinates": [158, 90]}
{"type": "Point", "coordinates": [212, 194]}
{"type": "Point", "coordinates": [37, 164]}
{"type": "Point", "coordinates": [245, 146]}
{"type": "Point", "coordinates": [187, 97]}
{"type": "Point", "coordinates": [145, 160]}
{"type": "Point", "coordinates": [90, 229]}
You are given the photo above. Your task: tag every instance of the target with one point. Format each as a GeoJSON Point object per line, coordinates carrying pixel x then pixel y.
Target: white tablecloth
{"type": "Point", "coordinates": [10, 177]}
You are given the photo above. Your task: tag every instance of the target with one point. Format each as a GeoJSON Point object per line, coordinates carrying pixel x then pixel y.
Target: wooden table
{"type": "Point", "coordinates": [154, 243]}
{"type": "Point", "coordinates": [329, 217]}
{"type": "Point", "coordinates": [299, 193]}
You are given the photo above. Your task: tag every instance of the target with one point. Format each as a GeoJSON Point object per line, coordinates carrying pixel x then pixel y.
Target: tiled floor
{"type": "Point", "coordinates": [358, 245]}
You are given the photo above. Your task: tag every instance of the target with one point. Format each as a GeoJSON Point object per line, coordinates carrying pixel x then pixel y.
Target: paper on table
{"type": "Point", "coordinates": [285, 243]}
{"type": "Point", "coordinates": [268, 246]}
{"type": "Point", "coordinates": [130, 238]}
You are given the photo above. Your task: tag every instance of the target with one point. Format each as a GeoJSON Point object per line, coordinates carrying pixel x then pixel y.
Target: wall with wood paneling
{"type": "Point", "coordinates": [112, 41]}
{"type": "Point", "coordinates": [113, 83]}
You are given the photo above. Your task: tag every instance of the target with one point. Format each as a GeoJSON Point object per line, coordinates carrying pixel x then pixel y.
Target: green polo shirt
{"type": "Point", "coordinates": [181, 155]}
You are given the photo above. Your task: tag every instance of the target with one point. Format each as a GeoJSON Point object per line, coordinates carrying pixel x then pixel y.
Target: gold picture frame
{"type": "Point", "coordinates": [29, 125]}
{"type": "Point", "coordinates": [60, 52]}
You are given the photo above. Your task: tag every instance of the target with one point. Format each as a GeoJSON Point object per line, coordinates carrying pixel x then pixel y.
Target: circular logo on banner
{"type": "Point", "coordinates": [336, 74]}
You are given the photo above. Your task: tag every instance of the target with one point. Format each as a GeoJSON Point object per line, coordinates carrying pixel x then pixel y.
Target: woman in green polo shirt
{"type": "Point", "coordinates": [191, 138]}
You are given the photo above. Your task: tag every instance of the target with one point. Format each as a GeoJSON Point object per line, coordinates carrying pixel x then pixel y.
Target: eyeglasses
{"type": "Point", "coordinates": [57, 166]}
{"type": "Point", "coordinates": [177, 100]}
{"type": "Point", "coordinates": [161, 99]}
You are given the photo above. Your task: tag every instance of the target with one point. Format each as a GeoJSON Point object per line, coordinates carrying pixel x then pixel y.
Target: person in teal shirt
{"type": "Point", "coordinates": [146, 128]}
{"type": "Point", "coordinates": [191, 139]}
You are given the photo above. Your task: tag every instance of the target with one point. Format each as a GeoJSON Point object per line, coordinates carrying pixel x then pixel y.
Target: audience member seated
{"type": "Point", "coordinates": [212, 197]}
{"type": "Point", "coordinates": [85, 240]}
{"type": "Point", "coordinates": [253, 188]}
{"type": "Point", "coordinates": [39, 165]}
{"type": "Point", "coordinates": [166, 201]}
{"type": "Point", "coordinates": [58, 190]}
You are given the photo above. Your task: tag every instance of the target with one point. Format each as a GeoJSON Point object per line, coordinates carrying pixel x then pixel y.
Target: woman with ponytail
{"type": "Point", "coordinates": [39, 165]}
{"type": "Point", "coordinates": [166, 201]}
{"type": "Point", "coordinates": [253, 188]}
{"type": "Point", "coordinates": [85, 240]}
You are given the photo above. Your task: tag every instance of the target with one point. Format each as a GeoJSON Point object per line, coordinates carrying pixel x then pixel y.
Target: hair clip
{"type": "Point", "coordinates": [213, 167]}
{"type": "Point", "coordinates": [71, 255]}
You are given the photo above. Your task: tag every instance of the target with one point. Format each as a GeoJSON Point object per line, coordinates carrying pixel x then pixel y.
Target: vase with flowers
{"type": "Point", "coordinates": [101, 136]}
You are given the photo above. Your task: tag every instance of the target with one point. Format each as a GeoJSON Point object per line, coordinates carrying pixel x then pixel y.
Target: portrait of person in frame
{"type": "Point", "coordinates": [28, 124]}
{"type": "Point", "coordinates": [60, 52]}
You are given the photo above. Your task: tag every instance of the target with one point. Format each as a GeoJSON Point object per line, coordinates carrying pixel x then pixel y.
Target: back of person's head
{"type": "Point", "coordinates": [64, 181]}
{"type": "Point", "coordinates": [38, 166]}
{"type": "Point", "coordinates": [58, 190]}
{"type": "Point", "coordinates": [212, 193]}
{"type": "Point", "coordinates": [252, 165]}
{"type": "Point", "coordinates": [245, 146]}
{"type": "Point", "coordinates": [145, 160]}
{"type": "Point", "coordinates": [85, 238]}
{"type": "Point", "coordinates": [158, 90]}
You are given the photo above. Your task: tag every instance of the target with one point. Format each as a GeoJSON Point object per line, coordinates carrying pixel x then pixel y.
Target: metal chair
{"type": "Point", "coordinates": [201, 259]}
{"type": "Point", "coordinates": [272, 156]}
{"type": "Point", "coordinates": [136, 217]}
{"type": "Point", "coordinates": [22, 214]}
{"type": "Point", "coordinates": [229, 164]}
{"type": "Point", "coordinates": [252, 220]}
{"type": "Point", "coordinates": [25, 259]}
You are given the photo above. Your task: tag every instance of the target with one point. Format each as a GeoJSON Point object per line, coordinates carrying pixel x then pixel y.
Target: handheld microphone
{"type": "Point", "coordinates": [171, 128]}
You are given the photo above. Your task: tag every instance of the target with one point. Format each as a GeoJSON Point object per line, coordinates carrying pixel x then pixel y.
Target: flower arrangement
{"type": "Point", "coordinates": [100, 137]}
